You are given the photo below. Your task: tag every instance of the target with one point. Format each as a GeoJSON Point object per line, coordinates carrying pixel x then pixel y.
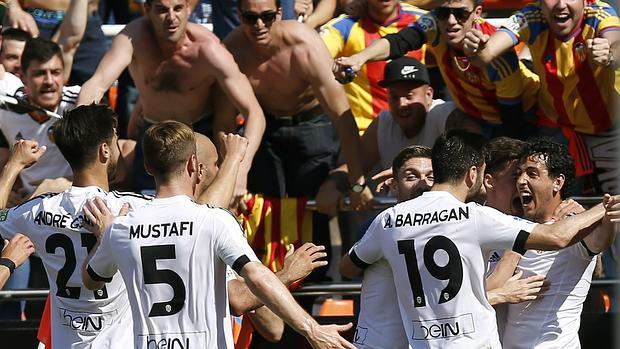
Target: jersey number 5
{"type": "Point", "coordinates": [451, 271]}
{"type": "Point", "coordinates": [152, 275]}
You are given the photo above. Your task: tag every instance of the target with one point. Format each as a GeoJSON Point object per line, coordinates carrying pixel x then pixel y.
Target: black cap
{"type": "Point", "coordinates": [404, 69]}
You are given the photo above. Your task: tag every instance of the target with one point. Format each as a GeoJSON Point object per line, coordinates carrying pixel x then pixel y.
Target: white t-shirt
{"type": "Point", "coordinates": [391, 139]}
{"type": "Point", "coordinates": [9, 84]}
{"type": "Point", "coordinates": [379, 325]}
{"type": "Point", "coordinates": [172, 254]}
{"type": "Point", "coordinates": [437, 248]}
{"type": "Point", "coordinates": [553, 320]}
{"type": "Point", "coordinates": [21, 126]}
{"type": "Point", "coordinates": [80, 318]}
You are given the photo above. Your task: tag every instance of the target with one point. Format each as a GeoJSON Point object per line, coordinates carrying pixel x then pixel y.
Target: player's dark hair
{"type": "Point", "coordinates": [167, 146]}
{"type": "Point", "coordinates": [501, 151]}
{"type": "Point", "coordinates": [278, 4]}
{"type": "Point", "coordinates": [454, 153]}
{"type": "Point", "coordinates": [80, 132]}
{"type": "Point", "coordinates": [556, 158]}
{"type": "Point", "coordinates": [15, 34]}
{"type": "Point", "coordinates": [39, 49]}
{"type": "Point", "coordinates": [413, 151]}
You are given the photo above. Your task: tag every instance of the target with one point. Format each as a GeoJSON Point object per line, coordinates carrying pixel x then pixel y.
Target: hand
{"type": "Point", "coordinates": [303, 8]}
{"type": "Point", "coordinates": [18, 18]}
{"type": "Point", "coordinates": [327, 336]}
{"type": "Point", "coordinates": [612, 208]}
{"type": "Point", "coordinates": [474, 41]}
{"type": "Point", "coordinates": [339, 68]}
{"type": "Point", "coordinates": [361, 201]}
{"type": "Point", "coordinates": [299, 264]}
{"type": "Point", "coordinates": [233, 145]}
{"type": "Point", "coordinates": [18, 249]}
{"type": "Point", "coordinates": [567, 208]}
{"type": "Point", "coordinates": [25, 152]}
{"type": "Point", "coordinates": [517, 290]}
{"type": "Point", "coordinates": [385, 180]}
{"type": "Point", "coordinates": [329, 200]}
{"type": "Point", "coordinates": [99, 217]}
{"type": "Point", "coordinates": [599, 49]}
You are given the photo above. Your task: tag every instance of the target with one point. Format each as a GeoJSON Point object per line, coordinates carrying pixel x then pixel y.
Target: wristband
{"type": "Point", "coordinates": [9, 264]}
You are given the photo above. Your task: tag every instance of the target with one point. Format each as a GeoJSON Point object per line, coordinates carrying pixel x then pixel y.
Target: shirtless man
{"type": "Point", "coordinates": [289, 69]}
{"type": "Point", "coordinates": [176, 66]}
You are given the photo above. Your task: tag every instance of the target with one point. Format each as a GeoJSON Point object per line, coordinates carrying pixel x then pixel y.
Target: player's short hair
{"type": "Point", "coordinates": [80, 132]}
{"type": "Point", "coordinates": [556, 157]}
{"type": "Point", "coordinates": [278, 4]}
{"type": "Point", "coordinates": [502, 150]}
{"type": "Point", "coordinates": [454, 152]}
{"type": "Point", "coordinates": [410, 152]}
{"type": "Point", "coordinates": [167, 146]}
{"type": "Point", "coordinates": [15, 34]}
{"type": "Point", "coordinates": [39, 49]}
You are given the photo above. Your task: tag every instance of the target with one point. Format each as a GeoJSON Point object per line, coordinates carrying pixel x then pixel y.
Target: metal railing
{"type": "Point", "coordinates": [311, 290]}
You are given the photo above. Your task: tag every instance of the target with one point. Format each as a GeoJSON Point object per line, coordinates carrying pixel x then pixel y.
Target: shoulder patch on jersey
{"type": "Point", "coordinates": [120, 194]}
{"type": "Point", "coordinates": [4, 214]}
{"type": "Point", "coordinates": [426, 23]}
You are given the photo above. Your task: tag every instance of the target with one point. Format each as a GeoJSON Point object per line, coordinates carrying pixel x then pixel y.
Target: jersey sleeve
{"type": "Point", "coordinates": [517, 25]}
{"type": "Point", "coordinates": [102, 265]}
{"type": "Point", "coordinates": [505, 73]}
{"type": "Point", "coordinates": [426, 25]}
{"type": "Point", "coordinates": [17, 220]}
{"type": "Point", "coordinates": [496, 230]}
{"type": "Point", "coordinates": [230, 243]}
{"type": "Point", "coordinates": [333, 37]}
{"type": "Point", "coordinates": [368, 250]}
{"type": "Point", "coordinates": [606, 20]}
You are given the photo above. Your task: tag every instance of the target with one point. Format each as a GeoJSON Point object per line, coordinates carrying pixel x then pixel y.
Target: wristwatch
{"type": "Point", "coordinates": [8, 263]}
{"type": "Point", "coordinates": [358, 187]}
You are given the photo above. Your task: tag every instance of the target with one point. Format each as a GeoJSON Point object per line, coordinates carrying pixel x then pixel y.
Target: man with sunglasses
{"type": "Point", "coordinates": [180, 70]}
{"type": "Point", "coordinates": [496, 96]}
{"type": "Point", "coordinates": [572, 46]}
{"type": "Point", "coordinates": [289, 69]}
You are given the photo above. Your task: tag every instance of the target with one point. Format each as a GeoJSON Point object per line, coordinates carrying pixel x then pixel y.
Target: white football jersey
{"type": "Point", "coordinates": [553, 320]}
{"type": "Point", "coordinates": [16, 126]}
{"type": "Point", "coordinates": [172, 254]}
{"type": "Point", "coordinates": [80, 318]}
{"type": "Point", "coordinates": [9, 84]}
{"type": "Point", "coordinates": [437, 248]}
{"type": "Point", "coordinates": [379, 325]}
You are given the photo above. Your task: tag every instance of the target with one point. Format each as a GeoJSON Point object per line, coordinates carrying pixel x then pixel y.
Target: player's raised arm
{"type": "Point", "coordinates": [266, 286]}
{"type": "Point", "coordinates": [71, 32]}
{"type": "Point", "coordinates": [568, 231]}
{"type": "Point", "coordinates": [109, 69]}
{"type": "Point", "coordinates": [483, 49]}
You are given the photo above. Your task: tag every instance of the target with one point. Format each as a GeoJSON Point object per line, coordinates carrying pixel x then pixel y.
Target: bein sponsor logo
{"type": "Point", "coordinates": [173, 340]}
{"type": "Point", "coordinates": [443, 328]}
{"type": "Point", "coordinates": [86, 322]}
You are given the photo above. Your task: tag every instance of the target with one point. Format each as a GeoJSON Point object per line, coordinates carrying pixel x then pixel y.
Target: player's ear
{"type": "Point", "coordinates": [104, 152]}
{"type": "Point", "coordinates": [487, 180]}
{"type": "Point", "coordinates": [192, 166]}
{"type": "Point", "coordinates": [471, 176]}
{"type": "Point", "coordinates": [558, 183]}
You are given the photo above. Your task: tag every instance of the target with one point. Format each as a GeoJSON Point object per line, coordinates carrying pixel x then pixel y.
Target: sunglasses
{"type": "Point", "coordinates": [252, 17]}
{"type": "Point", "coordinates": [461, 14]}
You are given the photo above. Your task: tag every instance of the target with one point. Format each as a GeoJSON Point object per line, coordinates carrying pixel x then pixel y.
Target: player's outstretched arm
{"type": "Point", "coordinates": [71, 32]}
{"type": "Point", "coordinates": [272, 292]}
{"type": "Point", "coordinates": [568, 231]}
{"type": "Point", "coordinates": [109, 69]}
{"type": "Point", "coordinates": [23, 154]}
{"type": "Point", "coordinates": [297, 265]}
{"type": "Point", "coordinates": [348, 269]}
{"type": "Point", "coordinates": [15, 251]}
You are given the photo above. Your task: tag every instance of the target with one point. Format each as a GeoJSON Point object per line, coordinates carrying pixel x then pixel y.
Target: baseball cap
{"type": "Point", "coordinates": [404, 69]}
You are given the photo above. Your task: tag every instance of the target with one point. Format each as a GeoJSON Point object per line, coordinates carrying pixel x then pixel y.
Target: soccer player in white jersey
{"type": "Point", "coordinates": [80, 318]}
{"type": "Point", "coordinates": [546, 174]}
{"type": "Point", "coordinates": [43, 69]}
{"type": "Point", "coordinates": [379, 324]}
{"type": "Point", "coordinates": [172, 254]}
{"type": "Point", "coordinates": [437, 247]}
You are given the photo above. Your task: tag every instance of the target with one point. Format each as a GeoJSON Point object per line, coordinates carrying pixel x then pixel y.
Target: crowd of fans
{"type": "Point", "coordinates": [326, 100]}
